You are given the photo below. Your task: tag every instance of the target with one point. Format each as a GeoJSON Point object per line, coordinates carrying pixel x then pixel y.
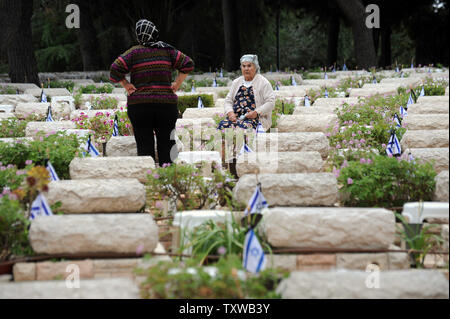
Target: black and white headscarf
{"type": "Point", "coordinates": [147, 34]}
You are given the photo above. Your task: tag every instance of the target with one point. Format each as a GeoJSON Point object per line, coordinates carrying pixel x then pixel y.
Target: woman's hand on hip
{"type": "Point", "coordinates": [252, 115]}
{"type": "Point", "coordinates": [130, 88]}
{"type": "Point", "coordinates": [175, 86]}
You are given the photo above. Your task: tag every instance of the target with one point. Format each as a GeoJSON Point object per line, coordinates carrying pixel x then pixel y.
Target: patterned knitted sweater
{"type": "Point", "coordinates": [151, 72]}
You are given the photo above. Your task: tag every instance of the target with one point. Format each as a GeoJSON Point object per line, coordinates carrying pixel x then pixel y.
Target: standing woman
{"type": "Point", "coordinates": [152, 102]}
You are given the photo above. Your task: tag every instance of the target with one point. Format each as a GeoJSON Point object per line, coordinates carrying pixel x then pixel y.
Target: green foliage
{"type": "Point", "coordinates": [103, 124]}
{"type": "Point", "coordinates": [169, 280]}
{"type": "Point", "coordinates": [92, 89]}
{"type": "Point", "coordinates": [104, 102]}
{"type": "Point", "coordinates": [69, 85]}
{"type": "Point", "coordinates": [381, 181]}
{"type": "Point", "coordinates": [13, 229]}
{"type": "Point", "coordinates": [187, 85]}
{"type": "Point", "coordinates": [60, 148]}
{"type": "Point", "coordinates": [215, 238]}
{"type": "Point", "coordinates": [7, 90]}
{"type": "Point", "coordinates": [11, 177]}
{"type": "Point", "coordinates": [422, 240]}
{"type": "Point", "coordinates": [12, 127]}
{"type": "Point", "coordinates": [191, 101]}
{"type": "Point", "coordinates": [278, 110]}
{"type": "Point", "coordinates": [186, 185]}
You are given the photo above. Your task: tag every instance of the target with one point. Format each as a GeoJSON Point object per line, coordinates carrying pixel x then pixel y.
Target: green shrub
{"type": "Point", "coordinates": [191, 101]}
{"type": "Point", "coordinates": [69, 85]}
{"type": "Point", "coordinates": [13, 127]}
{"type": "Point", "coordinates": [382, 181]}
{"type": "Point", "coordinates": [186, 185]}
{"type": "Point", "coordinates": [92, 89]}
{"type": "Point", "coordinates": [60, 148]}
{"type": "Point", "coordinates": [13, 229]}
{"type": "Point", "coordinates": [169, 280]}
{"type": "Point", "coordinates": [11, 177]}
{"type": "Point", "coordinates": [278, 111]}
{"type": "Point", "coordinates": [104, 102]}
{"type": "Point", "coordinates": [7, 90]}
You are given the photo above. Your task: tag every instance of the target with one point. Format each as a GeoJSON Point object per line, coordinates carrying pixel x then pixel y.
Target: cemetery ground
{"type": "Point", "coordinates": [355, 172]}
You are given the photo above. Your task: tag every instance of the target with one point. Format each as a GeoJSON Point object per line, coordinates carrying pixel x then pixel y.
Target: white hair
{"type": "Point", "coordinates": [252, 58]}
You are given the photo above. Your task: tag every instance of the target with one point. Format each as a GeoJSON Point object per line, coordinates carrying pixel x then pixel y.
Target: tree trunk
{"type": "Point", "coordinates": [16, 20]}
{"type": "Point", "coordinates": [385, 59]}
{"type": "Point", "coordinates": [278, 34]}
{"type": "Point", "coordinates": [333, 38]}
{"type": "Point", "coordinates": [231, 34]}
{"type": "Point", "coordinates": [354, 12]}
{"type": "Point", "coordinates": [87, 35]}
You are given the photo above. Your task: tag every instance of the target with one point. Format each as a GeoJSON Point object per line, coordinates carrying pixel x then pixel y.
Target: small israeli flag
{"type": "Point", "coordinates": [88, 105]}
{"type": "Point", "coordinates": [402, 111]}
{"type": "Point", "coordinates": [325, 76]}
{"type": "Point", "coordinates": [374, 81]}
{"type": "Point", "coordinates": [410, 157]}
{"type": "Point", "coordinates": [410, 100]}
{"type": "Point", "coordinates": [422, 92]}
{"type": "Point", "coordinates": [397, 120]}
{"type": "Point", "coordinates": [221, 73]}
{"type": "Point", "coordinates": [429, 70]}
{"type": "Point", "coordinates": [412, 65]}
{"type": "Point", "coordinates": [326, 93]}
{"type": "Point", "coordinates": [294, 83]}
{"type": "Point", "coordinates": [40, 207]}
{"type": "Point", "coordinates": [43, 97]}
{"type": "Point", "coordinates": [254, 257]}
{"type": "Point", "coordinates": [200, 103]}
{"type": "Point", "coordinates": [245, 149]}
{"type": "Point", "coordinates": [116, 127]}
{"type": "Point", "coordinates": [257, 203]}
{"type": "Point", "coordinates": [334, 69]}
{"type": "Point", "coordinates": [307, 101]}
{"type": "Point", "coordinates": [260, 128]}
{"type": "Point", "coordinates": [49, 115]}
{"type": "Point", "coordinates": [397, 69]}
{"type": "Point", "coordinates": [90, 148]}
{"type": "Point", "coordinates": [52, 172]}
{"type": "Point", "coordinates": [193, 88]}
{"type": "Point", "coordinates": [277, 88]}
{"type": "Point", "coordinates": [393, 147]}
{"type": "Point", "coordinates": [214, 83]}
{"type": "Point", "coordinates": [344, 67]}
{"type": "Point", "coordinates": [401, 75]}
{"type": "Point", "coordinates": [360, 83]}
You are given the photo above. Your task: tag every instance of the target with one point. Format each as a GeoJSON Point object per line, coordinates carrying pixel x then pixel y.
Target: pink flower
{"type": "Point", "coordinates": [149, 172]}
{"type": "Point", "coordinates": [156, 176]}
{"type": "Point", "coordinates": [362, 161]}
{"type": "Point", "coordinates": [159, 205]}
{"type": "Point", "coordinates": [28, 162]}
{"type": "Point", "coordinates": [349, 181]}
{"type": "Point", "coordinates": [383, 145]}
{"type": "Point", "coordinates": [140, 249]}
{"type": "Point", "coordinates": [344, 164]}
{"type": "Point", "coordinates": [351, 142]}
{"type": "Point", "coordinates": [221, 250]}
{"type": "Point", "coordinates": [369, 161]}
{"type": "Point", "coordinates": [362, 141]}
{"type": "Point", "coordinates": [338, 146]}
{"type": "Point", "coordinates": [390, 155]}
{"type": "Point", "coordinates": [336, 172]}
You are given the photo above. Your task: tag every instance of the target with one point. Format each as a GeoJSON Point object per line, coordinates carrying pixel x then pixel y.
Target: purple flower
{"type": "Point", "coordinates": [362, 141]}
{"type": "Point", "coordinates": [336, 172]}
{"type": "Point", "coordinates": [221, 250]}
{"type": "Point", "coordinates": [349, 181]}
{"type": "Point", "coordinates": [338, 146]}
{"type": "Point", "coordinates": [383, 145]}
{"type": "Point", "coordinates": [219, 185]}
{"type": "Point", "coordinates": [28, 162]}
{"type": "Point", "coordinates": [159, 205]}
{"type": "Point", "coordinates": [140, 249]}
{"type": "Point", "coordinates": [362, 161]}
{"type": "Point", "coordinates": [156, 176]}
{"type": "Point", "coordinates": [369, 161]}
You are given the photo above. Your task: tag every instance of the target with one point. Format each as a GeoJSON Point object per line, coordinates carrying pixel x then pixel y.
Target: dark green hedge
{"type": "Point", "coordinates": [191, 101]}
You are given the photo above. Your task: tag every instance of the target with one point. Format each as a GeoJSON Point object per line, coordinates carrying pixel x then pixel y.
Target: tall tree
{"type": "Point", "coordinates": [15, 17]}
{"type": "Point", "coordinates": [87, 36]}
{"type": "Point", "coordinates": [354, 12]}
{"type": "Point", "coordinates": [333, 37]}
{"type": "Point", "coordinates": [230, 30]}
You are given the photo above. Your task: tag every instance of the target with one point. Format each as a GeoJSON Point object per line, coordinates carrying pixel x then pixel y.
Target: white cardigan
{"type": "Point", "coordinates": [264, 98]}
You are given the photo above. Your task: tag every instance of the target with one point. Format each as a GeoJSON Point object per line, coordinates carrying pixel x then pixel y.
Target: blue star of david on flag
{"type": "Point", "coordinates": [254, 259]}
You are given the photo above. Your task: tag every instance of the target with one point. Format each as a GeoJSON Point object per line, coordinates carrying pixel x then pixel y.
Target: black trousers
{"type": "Point", "coordinates": [149, 119]}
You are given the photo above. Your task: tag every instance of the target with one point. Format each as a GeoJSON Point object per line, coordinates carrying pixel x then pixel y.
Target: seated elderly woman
{"type": "Point", "coordinates": [251, 98]}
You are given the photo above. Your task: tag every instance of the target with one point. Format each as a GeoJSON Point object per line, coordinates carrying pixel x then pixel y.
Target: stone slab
{"type": "Point", "coordinates": [306, 122]}
{"type": "Point", "coordinates": [442, 187]}
{"type": "Point", "coordinates": [33, 128]}
{"type": "Point", "coordinates": [440, 156]}
{"type": "Point", "coordinates": [329, 227]}
{"type": "Point", "coordinates": [427, 121]}
{"type": "Point", "coordinates": [14, 99]}
{"type": "Point", "coordinates": [121, 146]}
{"type": "Point", "coordinates": [84, 196]}
{"type": "Point", "coordinates": [49, 92]}
{"type": "Point", "coordinates": [398, 284]}
{"type": "Point", "coordinates": [111, 167]}
{"type": "Point", "coordinates": [279, 162]}
{"type": "Point", "coordinates": [82, 234]}
{"type": "Point", "coordinates": [300, 189]}
{"type": "Point", "coordinates": [425, 139]}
